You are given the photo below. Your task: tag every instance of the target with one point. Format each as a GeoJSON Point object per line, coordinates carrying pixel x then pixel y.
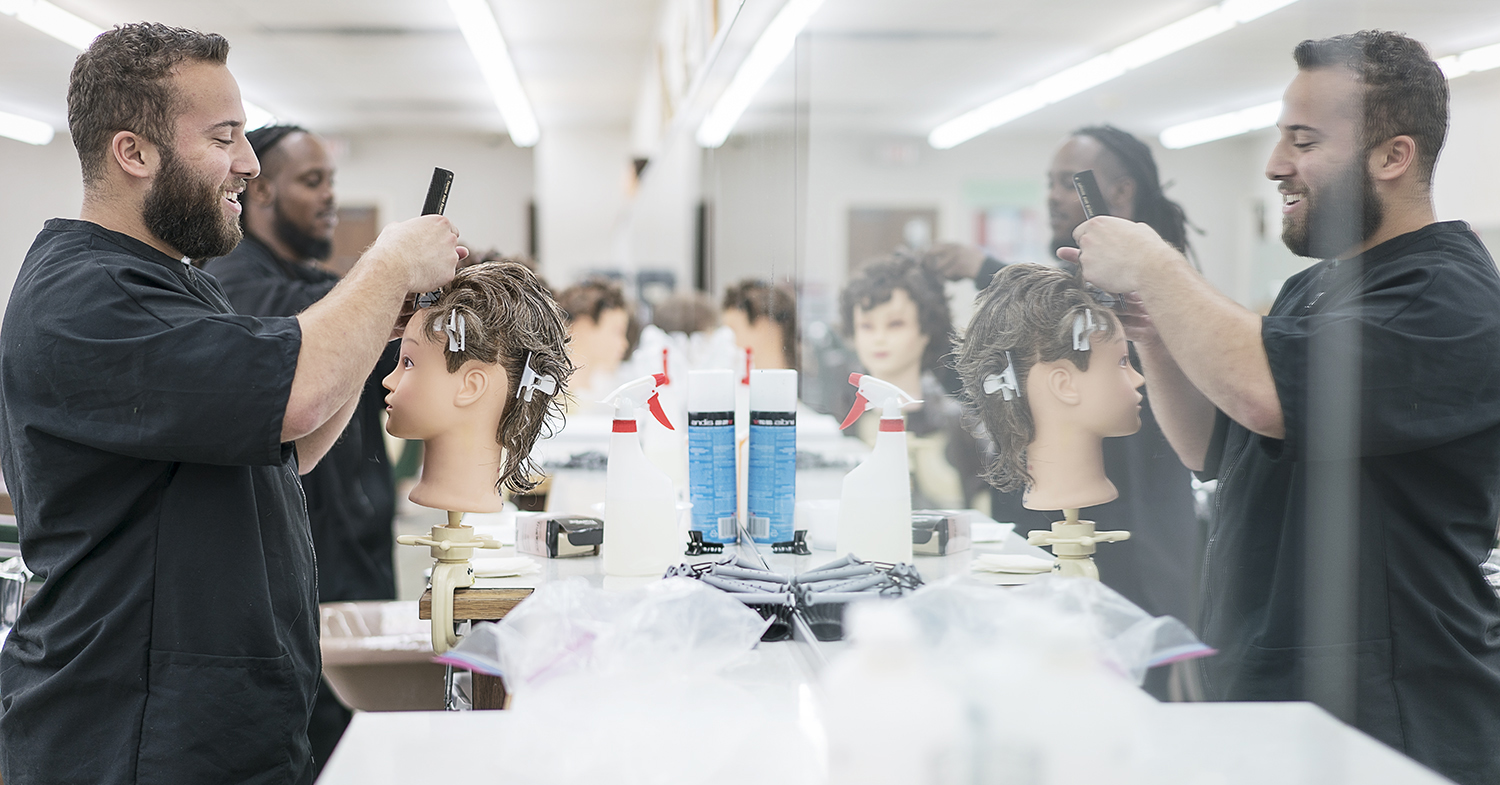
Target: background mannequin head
{"type": "Point", "coordinates": [465, 400]}
{"type": "Point", "coordinates": [764, 320]}
{"type": "Point", "coordinates": [1065, 394]}
{"type": "Point", "coordinates": [599, 326]}
{"type": "Point", "coordinates": [898, 317]}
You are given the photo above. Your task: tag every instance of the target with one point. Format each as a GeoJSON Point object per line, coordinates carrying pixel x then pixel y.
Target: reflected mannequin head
{"type": "Point", "coordinates": [158, 124]}
{"type": "Point", "coordinates": [898, 318]}
{"type": "Point", "coordinates": [1066, 400]}
{"type": "Point", "coordinates": [1362, 124]}
{"type": "Point", "coordinates": [763, 318]}
{"type": "Point", "coordinates": [599, 324]}
{"type": "Point", "coordinates": [1127, 174]}
{"type": "Point", "coordinates": [291, 206]}
{"type": "Point", "coordinates": [456, 390]}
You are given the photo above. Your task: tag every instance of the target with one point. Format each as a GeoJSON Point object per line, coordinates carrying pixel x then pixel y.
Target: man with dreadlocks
{"type": "Point", "coordinates": [1157, 568]}
{"type": "Point", "coordinates": [288, 220]}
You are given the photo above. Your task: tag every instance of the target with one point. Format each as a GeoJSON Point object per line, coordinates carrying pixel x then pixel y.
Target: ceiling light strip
{"type": "Point", "coordinates": [79, 33]}
{"type": "Point", "coordinates": [477, 22]}
{"type": "Point", "coordinates": [1148, 48]}
{"type": "Point", "coordinates": [25, 129]}
{"type": "Point", "coordinates": [775, 43]}
{"type": "Point", "coordinates": [1224, 126]}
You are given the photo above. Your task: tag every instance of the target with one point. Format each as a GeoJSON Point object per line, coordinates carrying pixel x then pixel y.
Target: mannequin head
{"type": "Point", "coordinates": [598, 328]}
{"type": "Point", "coordinates": [764, 320]}
{"type": "Point", "coordinates": [457, 389]}
{"type": "Point", "coordinates": [898, 318]}
{"type": "Point", "coordinates": [1063, 400]}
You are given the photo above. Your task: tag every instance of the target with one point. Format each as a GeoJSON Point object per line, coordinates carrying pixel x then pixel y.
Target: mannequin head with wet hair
{"type": "Point", "coordinates": [1047, 370]}
{"type": "Point", "coordinates": [482, 371]}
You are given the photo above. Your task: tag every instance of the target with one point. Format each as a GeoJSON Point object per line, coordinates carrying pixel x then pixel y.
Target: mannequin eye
{"type": "Point", "coordinates": [406, 363]}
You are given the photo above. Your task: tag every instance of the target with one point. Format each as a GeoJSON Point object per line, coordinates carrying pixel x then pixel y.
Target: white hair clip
{"type": "Point", "coordinates": [455, 329]}
{"type": "Point", "coordinates": [531, 381]}
{"type": "Point", "coordinates": [1004, 382]}
{"type": "Point", "coordinates": [1083, 327]}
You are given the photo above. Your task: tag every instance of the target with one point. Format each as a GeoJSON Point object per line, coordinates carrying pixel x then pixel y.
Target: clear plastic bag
{"type": "Point", "coordinates": [1075, 616]}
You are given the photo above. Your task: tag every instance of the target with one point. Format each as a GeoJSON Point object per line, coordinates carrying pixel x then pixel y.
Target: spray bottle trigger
{"type": "Point", "coordinates": [654, 404]}
{"type": "Point", "coordinates": [860, 404]}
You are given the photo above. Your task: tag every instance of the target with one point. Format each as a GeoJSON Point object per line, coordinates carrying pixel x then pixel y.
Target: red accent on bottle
{"type": "Point", "coordinates": [860, 404]}
{"type": "Point", "coordinates": [624, 426]}
{"type": "Point", "coordinates": [666, 373]}
{"type": "Point", "coordinates": [891, 425]}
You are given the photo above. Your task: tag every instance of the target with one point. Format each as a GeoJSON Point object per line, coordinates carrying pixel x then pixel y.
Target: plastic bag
{"type": "Point", "coordinates": [673, 626]}
{"type": "Point", "coordinates": [1066, 616]}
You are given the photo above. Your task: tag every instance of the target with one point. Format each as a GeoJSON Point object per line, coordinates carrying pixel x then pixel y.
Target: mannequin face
{"type": "Point", "coordinates": [763, 338]}
{"type": "Point", "coordinates": [1110, 398]}
{"type": "Point", "coordinates": [600, 346]}
{"type": "Point", "coordinates": [425, 400]}
{"type": "Point", "coordinates": [1105, 400]}
{"type": "Point", "coordinates": [888, 337]}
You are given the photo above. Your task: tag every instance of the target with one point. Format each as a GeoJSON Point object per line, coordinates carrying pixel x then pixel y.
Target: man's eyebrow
{"type": "Point", "coordinates": [1299, 127]}
{"type": "Point", "coordinates": [230, 124]}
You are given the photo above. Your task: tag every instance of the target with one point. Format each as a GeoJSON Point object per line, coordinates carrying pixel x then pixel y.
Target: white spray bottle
{"type": "Point", "coordinates": [875, 506]}
{"type": "Point", "coordinates": [640, 505]}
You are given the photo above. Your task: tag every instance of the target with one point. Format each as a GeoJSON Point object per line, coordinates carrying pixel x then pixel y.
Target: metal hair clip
{"type": "Point", "coordinates": [428, 299]}
{"type": "Point", "coordinates": [1004, 382]}
{"type": "Point", "coordinates": [1083, 327]}
{"type": "Point", "coordinates": [531, 381]}
{"type": "Point", "coordinates": [455, 329]}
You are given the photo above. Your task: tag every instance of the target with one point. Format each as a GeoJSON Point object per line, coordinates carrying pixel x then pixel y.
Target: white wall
{"type": "Point", "coordinates": [492, 180]}
{"type": "Point", "coordinates": [583, 177]}
{"type": "Point", "coordinates": [36, 183]}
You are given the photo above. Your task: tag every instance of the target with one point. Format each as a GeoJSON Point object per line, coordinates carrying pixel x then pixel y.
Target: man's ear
{"type": "Point", "coordinates": [134, 155]}
{"type": "Point", "coordinates": [475, 384]}
{"type": "Point", "coordinates": [1393, 158]}
{"type": "Point", "coordinates": [260, 191]}
{"type": "Point", "coordinates": [1062, 382]}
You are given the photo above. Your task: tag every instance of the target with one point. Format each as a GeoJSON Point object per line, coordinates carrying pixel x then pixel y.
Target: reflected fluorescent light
{"type": "Point", "coordinates": [1148, 48]}
{"type": "Point", "coordinates": [482, 32]}
{"type": "Point", "coordinates": [25, 129]}
{"type": "Point", "coordinates": [48, 18]}
{"type": "Point", "coordinates": [1244, 121]}
{"type": "Point", "coordinates": [1221, 126]}
{"type": "Point", "coordinates": [775, 43]}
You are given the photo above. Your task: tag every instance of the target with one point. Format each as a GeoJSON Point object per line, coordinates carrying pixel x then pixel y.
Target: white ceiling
{"type": "Point", "coordinates": [889, 66]}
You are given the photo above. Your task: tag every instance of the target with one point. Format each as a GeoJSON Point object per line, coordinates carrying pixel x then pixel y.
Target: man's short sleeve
{"type": "Point", "coordinates": [1428, 355]}
{"type": "Point", "coordinates": [138, 362]}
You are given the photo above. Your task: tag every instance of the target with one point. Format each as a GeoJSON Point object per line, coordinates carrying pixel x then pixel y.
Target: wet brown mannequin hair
{"type": "Point", "coordinates": [508, 313]}
{"type": "Point", "coordinates": [1027, 310]}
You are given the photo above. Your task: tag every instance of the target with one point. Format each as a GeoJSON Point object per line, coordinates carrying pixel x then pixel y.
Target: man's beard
{"type": "Point", "coordinates": [303, 244]}
{"type": "Point", "coordinates": [1338, 217]}
{"type": "Point", "coordinates": [185, 212]}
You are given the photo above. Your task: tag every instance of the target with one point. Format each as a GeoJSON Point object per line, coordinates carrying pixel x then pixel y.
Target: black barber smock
{"type": "Point", "coordinates": [175, 637]}
{"type": "Point", "coordinates": [1427, 651]}
{"type": "Point", "coordinates": [351, 498]}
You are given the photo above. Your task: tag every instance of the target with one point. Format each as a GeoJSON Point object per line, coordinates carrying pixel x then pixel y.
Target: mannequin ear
{"type": "Point", "coordinates": [474, 385]}
{"type": "Point", "coordinates": [1062, 382]}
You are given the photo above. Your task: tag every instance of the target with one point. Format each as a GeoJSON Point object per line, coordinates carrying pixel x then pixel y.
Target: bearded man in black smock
{"type": "Point", "coordinates": [289, 218]}
{"type": "Point", "coordinates": [152, 438]}
{"type": "Point", "coordinates": [1355, 430]}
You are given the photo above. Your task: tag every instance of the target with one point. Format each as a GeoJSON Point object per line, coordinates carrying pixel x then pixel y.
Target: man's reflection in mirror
{"type": "Point", "coordinates": [896, 317]}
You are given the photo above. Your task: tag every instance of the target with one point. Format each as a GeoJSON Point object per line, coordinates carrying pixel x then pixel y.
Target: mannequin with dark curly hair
{"type": "Point", "coordinates": [482, 372]}
{"type": "Point", "coordinates": [897, 317]}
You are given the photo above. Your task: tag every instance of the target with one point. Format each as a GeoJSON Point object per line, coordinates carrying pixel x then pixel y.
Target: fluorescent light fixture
{"type": "Point", "coordinates": [25, 129]}
{"type": "Point", "coordinates": [48, 18]}
{"type": "Point", "coordinates": [482, 32]}
{"type": "Point", "coordinates": [1264, 116]}
{"type": "Point", "coordinates": [1482, 59]}
{"type": "Point", "coordinates": [1221, 127]}
{"type": "Point", "coordinates": [775, 43]}
{"type": "Point", "coordinates": [1148, 48]}
{"type": "Point", "coordinates": [256, 117]}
